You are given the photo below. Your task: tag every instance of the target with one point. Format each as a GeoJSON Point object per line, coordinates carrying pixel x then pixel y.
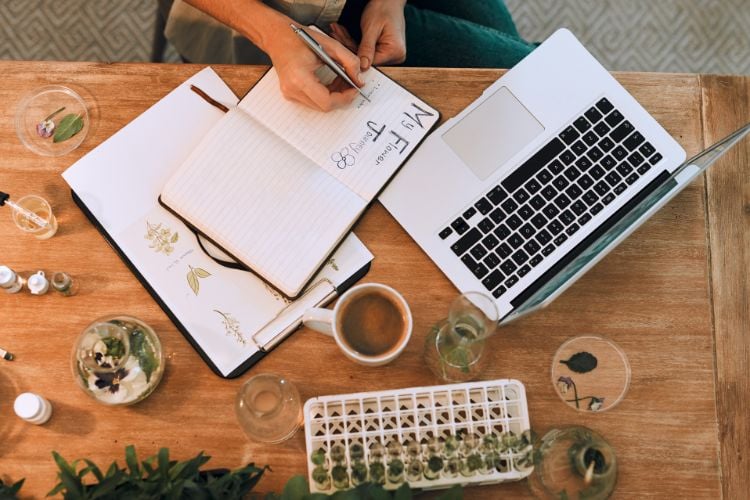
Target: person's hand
{"type": "Point", "coordinates": [296, 64]}
{"type": "Point", "coordinates": [383, 33]}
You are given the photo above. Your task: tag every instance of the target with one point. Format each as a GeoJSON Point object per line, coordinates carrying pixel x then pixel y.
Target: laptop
{"type": "Point", "coordinates": [539, 178]}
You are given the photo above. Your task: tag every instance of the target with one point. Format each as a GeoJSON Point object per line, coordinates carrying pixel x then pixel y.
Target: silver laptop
{"type": "Point", "coordinates": [539, 178]}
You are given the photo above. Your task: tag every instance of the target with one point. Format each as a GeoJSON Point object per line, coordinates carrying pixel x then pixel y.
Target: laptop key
{"type": "Point", "coordinates": [573, 191]}
{"type": "Point", "coordinates": [549, 192]}
{"type": "Point", "coordinates": [445, 233]}
{"type": "Point", "coordinates": [590, 197]}
{"type": "Point", "coordinates": [524, 270]}
{"type": "Point", "coordinates": [509, 205]}
{"type": "Point", "coordinates": [499, 291]}
{"type": "Point", "coordinates": [544, 176]}
{"type": "Point", "coordinates": [467, 241]}
{"type": "Point", "coordinates": [606, 144]}
{"type": "Point", "coordinates": [597, 172]}
{"type": "Point", "coordinates": [539, 221]}
{"type": "Point", "coordinates": [531, 247]}
{"type": "Point", "coordinates": [560, 239]}
{"type": "Point", "coordinates": [595, 154]}
{"type": "Point", "coordinates": [614, 118]}
{"type": "Point", "coordinates": [585, 182]}
{"type": "Point", "coordinates": [572, 173]}
{"type": "Point", "coordinates": [655, 159]}
{"type": "Point", "coordinates": [631, 178]}
{"type": "Point", "coordinates": [469, 213]}
{"type": "Point", "coordinates": [511, 281]}
{"type": "Point", "coordinates": [460, 226]}
{"type": "Point", "coordinates": [567, 217]}
{"type": "Point", "coordinates": [570, 231]}
{"type": "Point", "coordinates": [532, 186]}
{"type": "Point", "coordinates": [622, 131]}
{"type": "Point", "coordinates": [520, 257]}
{"type": "Point", "coordinates": [521, 196]}
{"type": "Point", "coordinates": [515, 240]}
{"type": "Point", "coordinates": [593, 115]}
{"type": "Point", "coordinates": [596, 208]}
{"type": "Point", "coordinates": [644, 168]}
{"type": "Point", "coordinates": [490, 242]}
{"type": "Point", "coordinates": [582, 124]}
{"type": "Point", "coordinates": [634, 140]}
{"type": "Point", "coordinates": [604, 105]}
{"type": "Point", "coordinates": [579, 148]}
{"type": "Point", "coordinates": [647, 149]}
{"type": "Point", "coordinates": [608, 199]}
{"type": "Point", "coordinates": [620, 188]}
{"type": "Point", "coordinates": [480, 271]}
{"type": "Point", "coordinates": [491, 261]}
{"type": "Point", "coordinates": [583, 219]}
{"type": "Point", "coordinates": [497, 195]}
{"type": "Point", "coordinates": [590, 138]}
{"type": "Point", "coordinates": [486, 225]}
{"type": "Point", "coordinates": [550, 211]}
{"type": "Point", "coordinates": [567, 158]}
{"type": "Point", "coordinates": [560, 183]}
{"type": "Point", "coordinates": [543, 237]}
{"type": "Point", "coordinates": [503, 251]}
{"type": "Point", "coordinates": [601, 187]}
{"type": "Point", "coordinates": [546, 251]}
{"type": "Point", "coordinates": [478, 252]}
{"type": "Point", "coordinates": [483, 206]}
{"type": "Point", "coordinates": [613, 178]}
{"type": "Point", "coordinates": [578, 207]}
{"type": "Point", "coordinates": [501, 231]}
{"type": "Point", "coordinates": [497, 216]}
{"type": "Point", "coordinates": [537, 202]}
{"type": "Point", "coordinates": [636, 159]}
{"type": "Point", "coordinates": [527, 231]}
{"type": "Point", "coordinates": [508, 267]}
{"type": "Point", "coordinates": [608, 162]}
{"type": "Point", "coordinates": [569, 135]}
{"type": "Point", "coordinates": [620, 153]}
{"type": "Point", "coordinates": [525, 212]}
{"type": "Point", "coordinates": [562, 201]}
{"type": "Point", "coordinates": [536, 260]}
{"type": "Point", "coordinates": [583, 163]}
{"type": "Point", "coordinates": [602, 128]}
{"type": "Point", "coordinates": [533, 165]}
{"type": "Point", "coordinates": [514, 222]}
{"type": "Point", "coordinates": [555, 227]}
{"type": "Point", "coordinates": [492, 280]}
{"type": "Point", "coordinates": [624, 168]}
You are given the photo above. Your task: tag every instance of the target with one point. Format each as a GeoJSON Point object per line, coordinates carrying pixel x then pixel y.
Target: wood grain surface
{"type": "Point", "coordinates": [652, 296]}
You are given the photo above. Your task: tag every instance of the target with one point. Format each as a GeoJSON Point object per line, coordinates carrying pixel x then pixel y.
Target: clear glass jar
{"type": "Point", "coordinates": [268, 408]}
{"type": "Point", "coordinates": [118, 360]}
{"type": "Point", "coordinates": [575, 462]}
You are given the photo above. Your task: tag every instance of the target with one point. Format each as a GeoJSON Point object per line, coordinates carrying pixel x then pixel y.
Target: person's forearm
{"type": "Point", "coordinates": [252, 18]}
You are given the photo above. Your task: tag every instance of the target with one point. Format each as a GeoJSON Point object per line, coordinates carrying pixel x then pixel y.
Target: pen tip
{"type": "Point", "coordinates": [8, 356]}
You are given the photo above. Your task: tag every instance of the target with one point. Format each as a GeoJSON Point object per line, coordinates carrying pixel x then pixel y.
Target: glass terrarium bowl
{"type": "Point", "coordinates": [118, 360]}
{"type": "Point", "coordinates": [39, 105]}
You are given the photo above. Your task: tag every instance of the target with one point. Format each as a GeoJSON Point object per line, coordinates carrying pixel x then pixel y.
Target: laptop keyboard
{"type": "Point", "coordinates": [550, 197]}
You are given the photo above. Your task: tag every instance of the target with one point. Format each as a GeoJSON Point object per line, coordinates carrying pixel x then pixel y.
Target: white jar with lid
{"type": "Point", "coordinates": [9, 280]}
{"type": "Point", "coordinates": [38, 283]}
{"type": "Point", "coordinates": [32, 408]}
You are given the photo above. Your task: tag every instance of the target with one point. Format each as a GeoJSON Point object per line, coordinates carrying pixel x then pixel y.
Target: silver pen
{"type": "Point", "coordinates": [327, 60]}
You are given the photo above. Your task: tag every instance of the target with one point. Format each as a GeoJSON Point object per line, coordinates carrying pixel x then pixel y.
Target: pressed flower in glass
{"type": "Point", "coordinates": [118, 360]}
{"type": "Point", "coordinates": [414, 469]}
{"type": "Point", "coordinates": [395, 472]}
{"type": "Point", "coordinates": [377, 468]}
{"type": "Point", "coordinates": [356, 452]}
{"type": "Point", "coordinates": [434, 467]}
{"type": "Point", "coordinates": [359, 473]}
{"type": "Point", "coordinates": [338, 454]}
{"type": "Point", "coordinates": [340, 477]}
{"type": "Point", "coordinates": [321, 477]}
{"type": "Point", "coordinates": [471, 464]}
{"type": "Point", "coordinates": [453, 466]}
{"type": "Point", "coordinates": [451, 445]}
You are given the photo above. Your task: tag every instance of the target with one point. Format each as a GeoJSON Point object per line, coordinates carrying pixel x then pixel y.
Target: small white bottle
{"type": "Point", "coordinates": [32, 408]}
{"type": "Point", "coordinates": [38, 283]}
{"type": "Point", "coordinates": [9, 280]}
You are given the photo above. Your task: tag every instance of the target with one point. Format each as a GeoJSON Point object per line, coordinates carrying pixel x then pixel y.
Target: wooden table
{"type": "Point", "coordinates": [674, 296]}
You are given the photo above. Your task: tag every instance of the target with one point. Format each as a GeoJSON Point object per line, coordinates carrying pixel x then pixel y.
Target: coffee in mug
{"type": "Point", "coordinates": [371, 323]}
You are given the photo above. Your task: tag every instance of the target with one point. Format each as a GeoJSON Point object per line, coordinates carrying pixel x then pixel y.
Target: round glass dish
{"type": "Point", "coordinates": [37, 106]}
{"type": "Point", "coordinates": [590, 373]}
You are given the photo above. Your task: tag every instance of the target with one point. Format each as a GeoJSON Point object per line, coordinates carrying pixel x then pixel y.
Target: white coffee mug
{"type": "Point", "coordinates": [327, 321]}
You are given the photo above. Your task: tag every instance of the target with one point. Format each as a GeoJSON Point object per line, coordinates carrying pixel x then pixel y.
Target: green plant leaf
{"type": "Point", "coordinates": [403, 492]}
{"type": "Point", "coordinates": [163, 458]}
{"type": "Point", "coordinates": [69, 126]}
{"type": "Point", "coordinates": [295, 489]}
{"type": "Point", "coordinates": [581, 362]}
{"type": "Point", "coordinates": [131, 459]}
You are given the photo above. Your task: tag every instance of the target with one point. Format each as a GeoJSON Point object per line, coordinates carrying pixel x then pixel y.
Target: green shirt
{"type": "Point", "coordinates": [200, 38]}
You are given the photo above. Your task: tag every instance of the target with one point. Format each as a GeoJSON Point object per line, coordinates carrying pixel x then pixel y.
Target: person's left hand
{"type": "Point", "coordinates": [383, 34]}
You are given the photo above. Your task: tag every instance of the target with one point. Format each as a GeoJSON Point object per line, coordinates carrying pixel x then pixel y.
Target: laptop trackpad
{"type": "Point", "coordinates": [493, 132]}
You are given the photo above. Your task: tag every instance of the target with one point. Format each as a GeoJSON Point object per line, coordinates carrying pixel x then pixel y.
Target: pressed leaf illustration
{"type": "Point", "coordinates": [232, 326]}
{"type": "Point", "coordinates": [161, 238]}
{"type": "Point", "coordinates": [193, 275]}
{"type": "Point", "coordinates": [69, 126]}
{"type": "Point", "coordinates": [332, 263]}
{"type": "Point", "coordinates": [581, 362]}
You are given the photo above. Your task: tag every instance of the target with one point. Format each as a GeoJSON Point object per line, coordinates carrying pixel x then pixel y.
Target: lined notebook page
{"type": "Point", "coordinates": [262, 201]}
{"type": "Point", "coordinates": [361, 145]}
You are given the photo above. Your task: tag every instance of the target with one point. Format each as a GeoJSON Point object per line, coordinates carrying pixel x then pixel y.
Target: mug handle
{"type": "Point", "coordinates": [319, 319]}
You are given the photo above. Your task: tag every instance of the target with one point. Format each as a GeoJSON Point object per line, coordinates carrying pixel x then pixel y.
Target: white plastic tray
{"type": "Point", "coordinates": [420, 414]}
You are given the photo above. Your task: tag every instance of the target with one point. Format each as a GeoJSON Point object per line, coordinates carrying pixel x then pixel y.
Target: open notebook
{"type": "Point", "coordinates": [277, 185]}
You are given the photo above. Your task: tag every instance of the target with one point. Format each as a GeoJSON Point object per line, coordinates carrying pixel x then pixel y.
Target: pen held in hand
{"type": "Point", "coordinates": [327, 60]}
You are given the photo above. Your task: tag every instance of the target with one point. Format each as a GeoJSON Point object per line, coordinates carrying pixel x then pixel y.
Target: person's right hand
{"type": "Point", "coordinates": [296, 64]}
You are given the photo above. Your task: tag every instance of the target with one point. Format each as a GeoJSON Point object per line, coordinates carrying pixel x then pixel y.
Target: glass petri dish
{"type": "Point", "coordinates": [40, 104]}
{"type": "Point", "coordinates": [590, 373]}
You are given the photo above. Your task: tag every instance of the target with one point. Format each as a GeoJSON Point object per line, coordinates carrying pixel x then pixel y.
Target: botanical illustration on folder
{"type": "Point", "coordinates": [278, 185]}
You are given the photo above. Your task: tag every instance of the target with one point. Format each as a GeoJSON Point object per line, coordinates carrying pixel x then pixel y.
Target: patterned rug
{"type": "Point", "coordinates": [702, 36]}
